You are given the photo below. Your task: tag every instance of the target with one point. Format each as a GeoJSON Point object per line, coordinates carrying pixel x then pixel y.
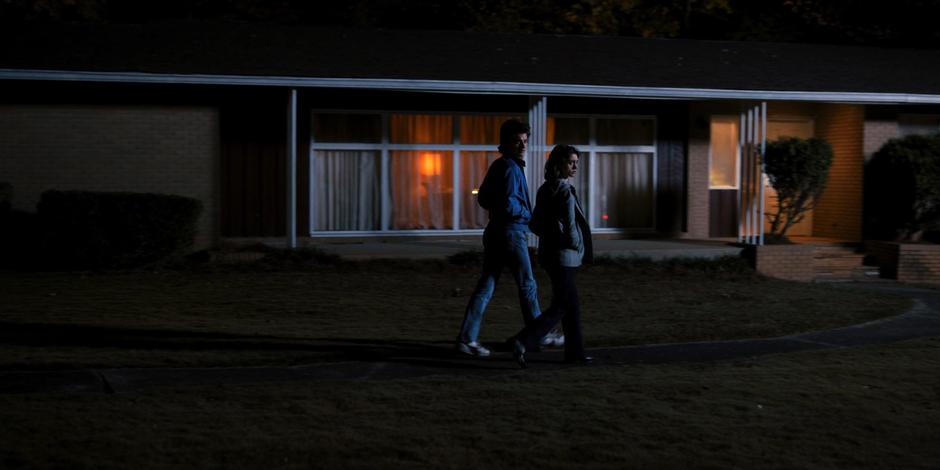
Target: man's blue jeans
{"type": "Point", "coordinates": [501, 248]}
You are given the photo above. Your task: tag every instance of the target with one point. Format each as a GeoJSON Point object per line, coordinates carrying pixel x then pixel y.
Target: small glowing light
{"type": "Point", "coordinates": [604, 216]}
{"type": "Point", "coordinates": [474, 191]}
{"type": "Point", "coordinates": [430, 164]}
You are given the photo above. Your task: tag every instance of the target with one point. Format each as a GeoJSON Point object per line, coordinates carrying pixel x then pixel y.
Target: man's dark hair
{"type": "Point", "coordinates": [510, 129]}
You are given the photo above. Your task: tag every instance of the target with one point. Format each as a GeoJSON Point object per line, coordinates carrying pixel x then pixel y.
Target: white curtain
{"type": "Point", "coordinates": [473, 166]}
{"type": "Point", "coordinates": [422, 190]}
{"type": "Point", "coordinates": [346, 190]}
{"type": "Point", "coordinates": [624, 190]}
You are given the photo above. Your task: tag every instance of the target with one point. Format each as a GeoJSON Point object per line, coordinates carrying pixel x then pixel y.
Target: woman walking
{"type": "Point", "coordinates": [564, 244]}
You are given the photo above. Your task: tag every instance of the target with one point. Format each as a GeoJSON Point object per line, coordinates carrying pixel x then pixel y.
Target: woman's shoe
{"type": "Point", "coordinates": [518, 353]}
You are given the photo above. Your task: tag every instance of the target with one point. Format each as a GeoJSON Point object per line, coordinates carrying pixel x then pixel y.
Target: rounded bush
{"type": "Point", "coordinates": [797, 169]}
{"type": "Point", "coordinates": [902, 189]}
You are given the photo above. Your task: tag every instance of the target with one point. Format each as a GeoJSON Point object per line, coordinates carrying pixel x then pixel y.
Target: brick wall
{"type": "Point", "coordinates": [919, 263]}
{"type": "Point", "coordinates": [698, 195]}
{"type": "Point", "coordinates": [791, 262]}
{"type": "Point", "coordinates": [907, 262]}
{"type": "Point", "coordinates": [839, 212]}
{"type": "Point", "coordinates": [697, 191]}
{"type": "Point", "coordinates": [170, 150]}
{"type": "Point", "coordinates": [877, 133]}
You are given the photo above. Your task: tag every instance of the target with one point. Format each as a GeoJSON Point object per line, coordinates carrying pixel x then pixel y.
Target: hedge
{"type": "Point", "coordinates": [84, 229]}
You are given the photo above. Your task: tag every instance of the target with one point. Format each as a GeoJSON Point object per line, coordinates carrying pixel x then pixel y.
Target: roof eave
{"type": "Point", "coordinates": [470, 87]}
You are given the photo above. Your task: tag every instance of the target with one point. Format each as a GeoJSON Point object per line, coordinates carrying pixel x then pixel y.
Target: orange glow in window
{"type": "Point", "coordinates": [430, 164]}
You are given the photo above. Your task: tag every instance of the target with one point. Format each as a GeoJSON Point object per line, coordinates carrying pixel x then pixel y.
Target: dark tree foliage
{"type": "Point", "coordinates": [798, 170]}
{"type": "Point", "coordinates": [908, 23]}
{"type": "Point", "coordinates": [902, 189]}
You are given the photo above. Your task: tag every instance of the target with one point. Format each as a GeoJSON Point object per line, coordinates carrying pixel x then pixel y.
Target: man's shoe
{"type": "Point", "coordinates": [472, 349]}
{"type": "Point", "coordinates": [518, 353]}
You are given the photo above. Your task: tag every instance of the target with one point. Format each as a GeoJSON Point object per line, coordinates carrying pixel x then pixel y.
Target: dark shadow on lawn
{"type": "Point", "coordinates": [429, 353]}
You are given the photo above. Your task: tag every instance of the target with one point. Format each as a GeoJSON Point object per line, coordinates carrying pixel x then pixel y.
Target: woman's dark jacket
{"type": "Point", "coordinates": [559, 221]}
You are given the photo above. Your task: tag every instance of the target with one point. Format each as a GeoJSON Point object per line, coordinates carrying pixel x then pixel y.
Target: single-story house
{"type": "Point", "coordinates": [306, 134]}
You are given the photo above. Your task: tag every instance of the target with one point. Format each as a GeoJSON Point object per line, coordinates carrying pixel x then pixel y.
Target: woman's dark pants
{"type": "Point", "coordinates": [565, 307]}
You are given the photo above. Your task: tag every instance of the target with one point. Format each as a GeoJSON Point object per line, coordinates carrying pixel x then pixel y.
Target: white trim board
{"type": "Point", "coordinates": [471, 87]}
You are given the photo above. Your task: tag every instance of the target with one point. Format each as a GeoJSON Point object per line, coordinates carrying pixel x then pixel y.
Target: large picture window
{"type": "Point", "coordinates": [616, 180]}
{"type": "Point", "coordinates": [399, 172]}
{"type": "Point", "coordinates": [420, 172]}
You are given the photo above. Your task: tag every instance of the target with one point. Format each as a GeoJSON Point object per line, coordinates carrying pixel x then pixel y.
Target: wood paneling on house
{"type": "Point", "coordinates": [839, 212]}
{"type": "Point", "coordinates": [253, 171]}
{"type": "Point", "coordinates": [723, 216]}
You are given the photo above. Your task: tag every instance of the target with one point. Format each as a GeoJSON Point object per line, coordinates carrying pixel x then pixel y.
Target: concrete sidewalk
{"type": "Point", "coordinates": [439, 249]}
{"type": "Point", "coordinates": [370, 360]}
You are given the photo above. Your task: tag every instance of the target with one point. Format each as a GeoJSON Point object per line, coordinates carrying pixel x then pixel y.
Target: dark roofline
{"type": "Point", "coordinates": [470, 87]}
{"type": "Point", "coordinates": [265, 55]}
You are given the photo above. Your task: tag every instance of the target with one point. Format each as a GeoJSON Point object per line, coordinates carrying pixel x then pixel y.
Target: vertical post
{"type": "Point", "coordinates": [751, 149]}
{"type": "Point", "coordinates": [763, 148]}
{"type": "Point", "coordinates": [457, 191]}
{"type": "Point", "coordinates": [592, 202]}
{"type": "Point", "coordinates": [385, 216]}
{"type": "Point", "coordinates": [292, 169]}
{"type": "Point", "coordinates": [741, 173]}
{"type": "Point", "coordinates": [538, 122]}
{"type": "Point", "coordinates": [746, 156]}
{"type": "Point", "coordinates": [312, 203]}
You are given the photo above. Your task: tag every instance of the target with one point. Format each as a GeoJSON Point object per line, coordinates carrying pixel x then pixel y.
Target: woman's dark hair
{"type": "Point", "coordinates": [557, 159]}
{"type": "Point", "coordinates": [510, 129]}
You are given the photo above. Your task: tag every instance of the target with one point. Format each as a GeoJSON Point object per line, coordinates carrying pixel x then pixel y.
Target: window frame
{"type": "Point", "coordinates": [592, 149]}
{"type": "Point", "coordinates": [385, 147]}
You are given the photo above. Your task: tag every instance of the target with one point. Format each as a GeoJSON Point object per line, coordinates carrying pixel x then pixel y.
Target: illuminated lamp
{"type": "Point", "coordinates": [430, 164]}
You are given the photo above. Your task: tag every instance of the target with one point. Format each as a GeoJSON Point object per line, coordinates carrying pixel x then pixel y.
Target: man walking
{"type": "Point", "coordinates": [505, 195]}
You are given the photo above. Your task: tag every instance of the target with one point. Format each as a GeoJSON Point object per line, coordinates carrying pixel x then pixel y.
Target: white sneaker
{"type": "Point", "coordinates": [473, 349]}
{"type": "Point", "coordinates": [553, 338]}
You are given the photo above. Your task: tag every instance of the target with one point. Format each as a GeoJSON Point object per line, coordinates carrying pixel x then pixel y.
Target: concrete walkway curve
{"type": "Point", "coordinates": [405, 360]}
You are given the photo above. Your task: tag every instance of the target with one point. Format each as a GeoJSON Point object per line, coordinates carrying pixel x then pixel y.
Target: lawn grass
{"type": "Point", "coordinates": [867, 407]}
{"type": "Point", "coordinates": [301, 313]}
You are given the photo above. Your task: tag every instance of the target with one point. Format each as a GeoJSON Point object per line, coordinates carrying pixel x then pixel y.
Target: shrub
{"type": "Point", "coordinates": [797, 169]}
{"type": "Point", "coordinates": [902, 189]}
{"type": "Point", "coordinates": [6, 196]}
{"type": "Point", "coordinates": [83, 229]}
{"type": "Point", "coordinates": [18, 232]}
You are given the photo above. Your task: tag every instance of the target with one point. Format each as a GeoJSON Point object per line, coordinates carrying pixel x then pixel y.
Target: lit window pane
{"type": "Point", "coordinates": [625, 132]}
{"type": "Point", "coordinates": [481, 130]}
{"type": "Point", "coordinates": [422, 190]}
{"type": "Point", "coordinates": [624, 190]}
{"type": "Point", "coordinates": [473, 166]}
{"type": "Point", "coordinates": [345, 190]}
{"type": "Point", "coordinates": [421, 129]}
{"type": "Point", "coordinates": [358, 128]}
{"type": "Point", "coordinates": [723, 170]}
